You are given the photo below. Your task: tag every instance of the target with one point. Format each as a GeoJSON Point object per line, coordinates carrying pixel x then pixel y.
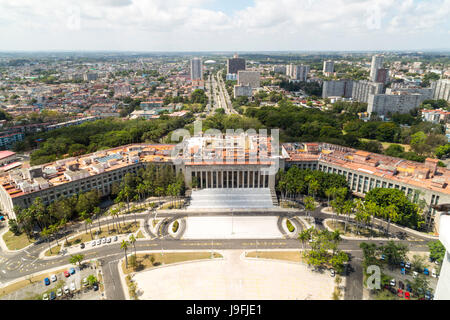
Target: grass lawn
{"type": "Point", "coordinates": [140, 235]}
{"type": "Point", "coordinates": [172, 205]}
{"type": "Point", "coordinates": [55, 251]}
{"type": "Point", "coordinates": [129, 227]}
{"type": "Point", "coordinates": [387, 144]}
{"type": "Point", "coordinates": [24, 283]}
{"type": "Point", "coordinates": [144, 261]}
{"type": "Point", "coordinates": [352, 230]}
{"type": "Point", "coordinates": [16, 242]}
{"type": "Point", "coordinates": [295, 256]}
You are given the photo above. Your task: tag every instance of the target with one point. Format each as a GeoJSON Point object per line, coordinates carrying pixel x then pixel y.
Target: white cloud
{"type": "Point", "coordinates": [349, 24]}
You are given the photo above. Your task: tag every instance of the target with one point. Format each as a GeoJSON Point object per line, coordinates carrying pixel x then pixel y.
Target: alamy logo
{"type": "Point", "coordinates": [374, 278]}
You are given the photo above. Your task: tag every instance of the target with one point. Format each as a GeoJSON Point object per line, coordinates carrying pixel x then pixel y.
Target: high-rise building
{"type": "Point", "coordinates": [249, 78]}
{"type": "Point", "coordinates": [377, 63]}
{"type": "Point", "coordinates": [196, 69]}
{"type": "Point", "coordinates": [337, 88]}
{"type": "Point", "coordinates": [362, 88]}
{"type": "Point", "coordinates": [401, 102]}
{"type": "Point", "coordinates": [297, 72]}
{"type": "Point", "coordinates": [279, 69]}
{"type": "Point", "coordinates": [235, 64]}
{"type": "Point", "coordinates": [242, 91]}
{"type": "Point", "coordinates": [328, 66]}
{"type": "Point", "coordinates": [382, 75]}
{"type": "Point", "coordinates": [441, 89]}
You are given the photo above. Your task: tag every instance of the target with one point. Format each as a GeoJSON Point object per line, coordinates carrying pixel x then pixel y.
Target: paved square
{"type": "Point", "coordinates": [232, 228]}
{"type": "Point", "coordinates": [235, 278]}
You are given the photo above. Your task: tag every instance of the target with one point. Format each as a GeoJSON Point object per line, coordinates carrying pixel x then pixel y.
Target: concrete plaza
{"type": "Point", "coordinates": [235, 277]}
{"type": "Point", "coordinates": [239, 227]}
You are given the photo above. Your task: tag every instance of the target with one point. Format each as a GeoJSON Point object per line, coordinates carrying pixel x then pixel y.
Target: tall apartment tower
{"type": "Point", "coordinates": [377, 63]}
{"type": "Point", "coordinates": [235, 64]}
{"type": "Point", "coordinates": [297, 72]}
{"type": "Point", "coordinates": [328, 66]}
{"type": "Point", "coordinates": [441, 89]}
{"type": "Point", "coordinates": [196, 69]}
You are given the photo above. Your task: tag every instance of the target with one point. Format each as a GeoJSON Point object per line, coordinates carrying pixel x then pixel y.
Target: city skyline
{"type": "Point", "coordinates": [208, 25]}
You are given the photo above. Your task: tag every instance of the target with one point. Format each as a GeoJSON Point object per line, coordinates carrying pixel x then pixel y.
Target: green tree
{"type": "Point", "coordinates": [76, 259]}
{"type": "Point", "coordinates": [437, 250]}
{"type": "Point", "coordinates": [124, 246]}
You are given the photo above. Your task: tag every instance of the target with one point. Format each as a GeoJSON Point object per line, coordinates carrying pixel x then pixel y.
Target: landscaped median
{"type": "Point", "coordinates": [14, 242]}
{"type": "Point", "coordinates": [126, 228]}
{"type": "Point", "coordinates": [144, 261]}
{"type": "Point", "coordinates": [293, 256]}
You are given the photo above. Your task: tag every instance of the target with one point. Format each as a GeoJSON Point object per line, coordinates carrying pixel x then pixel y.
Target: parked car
{"type": "Point", "coordinates": [332, 272]}
{"type": "Point", "coordinates": [402, 271]}
{"type": "Point", "coordinates": [108, 240]}
{"type": "Point", "coordinates": [426, 272]}
{"type": "Point", "coordinates": [93, 243]}
{"type": "Point", "coordinates": [400, 293]}
{"type": "Point", "coordinates": [407, 295]}
{"type": "Point", "coordinates": [392, 283]}
{"type": "Point", "coordinates": [408, 287]}
{"type": "Point", "coordinates": [72, 270]}
{"type": "Point", "coordinates": [46, 281]}
{"type": "Point", "coordinates": [45, 296]}
{"type": "Point", "coordinates": [95, 287]}
{"type": "Point", "coordinates": [428, 295]}
{"type": "Point", "coordinates": [402, 263]}
{"type": "Point", "coordinates": [401, 285]}
{"type": "Point", "coordinates": [66, 274]}
{"type": "Point", "coordinates": [72, 286]}
{"type": "Point", "coordinates": [115, 238]}
{"type": "Point", "coordinates": [52, 295]}
{"type": "Point", "coordinates": [59, 292]}
{"type": "Point", "coordinates": [99, 242]}
{"type": "Point", "coordinates": [66, 290]}
{"type": "Point", "coordinates": [415, 274]}
{"type": "Point", "coordinates": [53, 278]}
{"type": "Point", "coordinates": [383, 257]}
{"type": "Point", "coordinates": [408, 265]}
{"type": "Point", "coordinates": [392, 290]}
{"type": "Point", "coordinates": [82, 246]}
{"type": "Point", "coordinates": [434, 273]}
{"type": "Point", "coordinates": [85, 282]}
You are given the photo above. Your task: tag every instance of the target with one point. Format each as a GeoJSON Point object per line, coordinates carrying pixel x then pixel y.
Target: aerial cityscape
{"type": "Point", "coordinates": [178, 171]}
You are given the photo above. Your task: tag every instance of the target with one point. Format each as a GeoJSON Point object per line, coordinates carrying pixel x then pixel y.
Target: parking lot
{"type": "Point", "coordinates": [35, 291]}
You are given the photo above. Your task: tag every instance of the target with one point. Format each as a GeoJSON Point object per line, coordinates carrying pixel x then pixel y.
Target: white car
{"type": "Point", "coordinates": [434, 273]}
{"type": "Point", "coordinates": [85, 282]}
{"type": "Point", "coordinates": [99, 242]}
{"type": "Point", "coordinates": [59, 292]}
{"type": "Point", "coordinates": [66, 289]}
{"type": "Point", "coordinates": [415, 274]}
{"type": "Point", "coordinates": [115, 238]}
{"type": "Point", "coordinates": [45, 296]}
{"type": "Point", "coordinates": [108, 240]}
{"type": "Point", "coordinates": [332, 272]}
{"type": "Point", "coordinates": [72, 286]}
{"type": "Point", "coordinates": [93, 243]}
{"type": "Point", "coordinates": [53, 278]}
{"type": "Point", "coordinates": [392, 283]}
{"type": "Point", "coordinates": [103, 240]}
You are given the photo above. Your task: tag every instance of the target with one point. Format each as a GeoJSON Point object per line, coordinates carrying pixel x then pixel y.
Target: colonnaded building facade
{"type": "Point", "coordinates": [227, 161]}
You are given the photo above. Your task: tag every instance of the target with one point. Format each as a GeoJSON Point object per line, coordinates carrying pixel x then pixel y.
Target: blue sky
{"type": "Point", "coordinates": [219, 25]}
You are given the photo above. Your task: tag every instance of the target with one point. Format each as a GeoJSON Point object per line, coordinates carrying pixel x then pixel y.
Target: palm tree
{"type": "Point", "coordinates": [89, 223]}
{"type": "Point", "coordinates": [124, 246]}
{"type": "Point", "coordinates": [76, 258]}
{"type": "Point", "coordinates": [133, 242]}
{"type": "Point", "coordinates": [84, 215]}
{"type": "Point", "coordinates": [309, 204]}
{"type": "Point", "coordinates": [97, 213]}
{"type": "Point", "coordinates": [304, 236]}
{"type": "Point", "coordinates": [54, 230]}
{"type": "Point", "coordinates": [390, 212]}
{"type": "Point", "coordinates": [46, 233]}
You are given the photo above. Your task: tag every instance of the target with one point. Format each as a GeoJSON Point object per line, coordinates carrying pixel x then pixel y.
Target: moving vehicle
{"type": "Point", "coordinates": [46, 281]}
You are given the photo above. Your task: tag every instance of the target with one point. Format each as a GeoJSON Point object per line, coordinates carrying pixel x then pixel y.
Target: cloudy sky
{"type": "Point", "coordinates": [224, 25]}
